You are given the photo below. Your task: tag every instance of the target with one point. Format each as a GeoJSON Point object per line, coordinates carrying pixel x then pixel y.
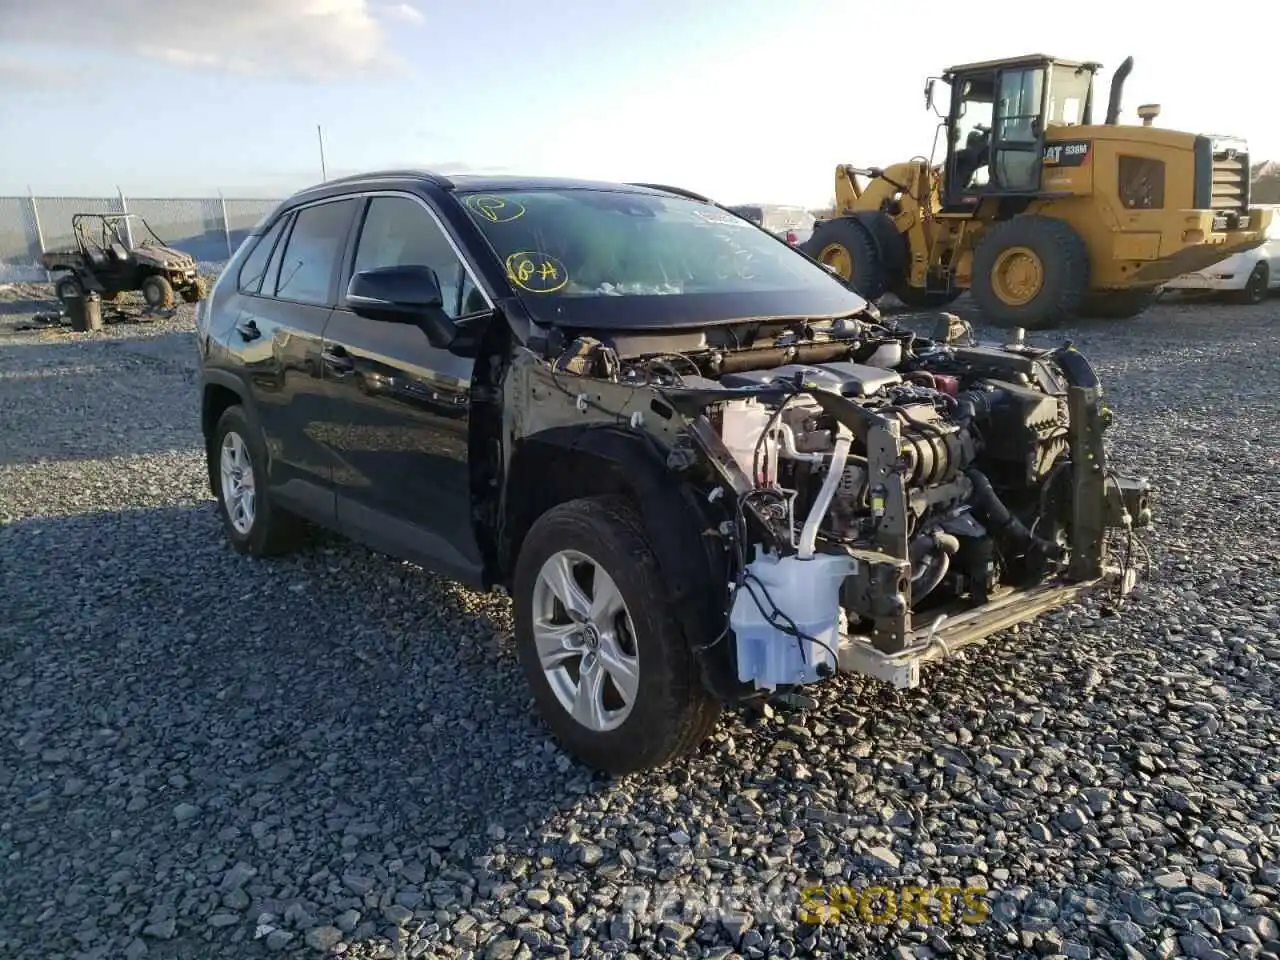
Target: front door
{"type": "Point", "coordinates": [1018, 137]}
{"type": "Point", "coordinates": [996, 136]}
{"type": "Point", "coordinates": [399, 406]}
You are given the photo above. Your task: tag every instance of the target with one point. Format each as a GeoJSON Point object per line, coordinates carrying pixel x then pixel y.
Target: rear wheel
{"type": "Point", "coordinates": [1255, 288]}
{"type": "Point", "coordinates": [68, 288]}
{"type": "Point", "coordinates": [610, 669]}
{"type": "Point", "coordinates": [1031, 271]}
{"type": "Point", "coordinates": [157, 292]}
{"type": "Point", "coordinates": [238, 468]}
{"type": "Point", "coordinates": [1117, 304]}
{"type": "Point", "coordinates": [844, 245]}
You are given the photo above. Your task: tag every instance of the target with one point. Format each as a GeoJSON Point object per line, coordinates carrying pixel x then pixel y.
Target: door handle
{"type": "Point", "coordinates": [338, 360]}
{"type": "Point", "coordinates": [248, 330]}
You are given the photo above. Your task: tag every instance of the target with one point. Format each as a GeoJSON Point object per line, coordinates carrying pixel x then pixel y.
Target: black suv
{"type": "Point", "coordinates": [705, 469]}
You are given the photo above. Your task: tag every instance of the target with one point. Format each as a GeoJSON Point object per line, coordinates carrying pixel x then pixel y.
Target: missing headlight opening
{"type": "Point", "coordinates": [879, 498]}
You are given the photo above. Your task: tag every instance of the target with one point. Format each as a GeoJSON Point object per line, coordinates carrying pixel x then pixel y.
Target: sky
{"type": "Point", "coordinates": [746, 101]}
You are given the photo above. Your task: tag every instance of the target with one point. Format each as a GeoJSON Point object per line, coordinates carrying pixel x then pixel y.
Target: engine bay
{"type": "Point", "coordinates": [870, 484]}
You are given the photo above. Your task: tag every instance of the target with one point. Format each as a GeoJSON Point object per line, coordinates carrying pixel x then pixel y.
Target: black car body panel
{"type": "Point", "coordinates": [435, 366]}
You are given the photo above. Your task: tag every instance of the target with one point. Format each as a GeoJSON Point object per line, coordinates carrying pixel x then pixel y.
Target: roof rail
{"type": "Point", "coordinates": [678, 191]}
{"type": "Point", "coordinates": [438, 179]}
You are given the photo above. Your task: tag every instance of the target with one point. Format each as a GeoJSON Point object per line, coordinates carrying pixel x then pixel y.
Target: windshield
{"type": "Point", "coordinates": [567, 252]}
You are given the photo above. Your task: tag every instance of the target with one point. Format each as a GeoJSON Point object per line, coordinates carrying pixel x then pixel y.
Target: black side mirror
{"type": "Point", "coordinates": [403, 294]}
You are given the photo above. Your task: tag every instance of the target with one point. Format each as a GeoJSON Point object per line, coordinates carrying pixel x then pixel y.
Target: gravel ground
{"type": "Point", "coordinates": [202, 756]}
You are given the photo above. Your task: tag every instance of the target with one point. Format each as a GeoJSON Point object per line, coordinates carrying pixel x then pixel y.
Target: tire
{"type": "Point", "coordinates": [68, 288]}
{"type": "Point", "coordinates": [924, 300]}
{"type": "Point", "coordinates": [1050, 259]}
{"type": "Point", "coordinates": [1256, 287]}
{"type": "Point", "coordinates": [670, 712]}
{"type": "Point", "coordinates": [157, 291]}
{"type": "Point", "coordinates": [1117, 304]}
{"type": "Point", "coordinates": [269, 531]}
{"type": "Point", "coordinates": [847, 245]}
{"type": "Point", "coordinates": [195, 292]}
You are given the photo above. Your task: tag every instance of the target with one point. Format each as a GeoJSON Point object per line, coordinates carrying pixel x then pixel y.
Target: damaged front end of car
{"type": "Point", "coordinates": [874, 499]}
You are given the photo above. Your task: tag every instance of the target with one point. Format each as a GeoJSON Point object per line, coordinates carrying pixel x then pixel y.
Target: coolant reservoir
{"type": "Point", "coordinates": [744, 421]}
{"type": "Point", "coordinates": [887, 355]}
{"type": "Point", "coordinates": [808, 592]}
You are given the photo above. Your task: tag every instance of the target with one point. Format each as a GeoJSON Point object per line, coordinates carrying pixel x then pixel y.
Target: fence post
{"type": "Point", "coordinates": [128, 227]}
{"type": "Point", "coordinates": [35, 219]}
{"type": "Point", "coordinates": [226, 223]}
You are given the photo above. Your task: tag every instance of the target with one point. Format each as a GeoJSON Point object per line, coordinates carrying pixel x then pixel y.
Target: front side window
{"type": "Point", "coordinates": [971, 134]}
{"type": "Point", "coordinates": [398, 231]}
{"type": "Point", "coordinates": [312, 251]}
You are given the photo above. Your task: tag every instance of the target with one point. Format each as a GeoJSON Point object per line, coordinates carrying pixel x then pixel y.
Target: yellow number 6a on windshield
{"type": "Point", "coordinates": [536, 272]}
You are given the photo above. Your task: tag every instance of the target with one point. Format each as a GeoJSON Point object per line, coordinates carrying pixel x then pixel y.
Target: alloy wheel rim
{"type": "Point", "coordinates": [585, 641]}
{"type": "Point", "coordinates": [239, 487]}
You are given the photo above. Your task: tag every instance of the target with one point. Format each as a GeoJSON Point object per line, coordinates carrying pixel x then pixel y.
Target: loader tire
{"type": "Point", "coordinates": [1032, 272]}
{"type": "Point", "coordinates": [847, 247]}
{"type": "Point", "coordinates": [1117, 304]}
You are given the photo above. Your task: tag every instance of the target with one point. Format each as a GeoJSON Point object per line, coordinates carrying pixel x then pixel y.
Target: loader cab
{"type": "Point", "coordinates": [996, 124]}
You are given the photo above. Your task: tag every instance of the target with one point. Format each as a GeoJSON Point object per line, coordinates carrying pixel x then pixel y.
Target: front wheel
{"type": "Point", "coordinates": [196, 292]}
{"type": "Point", "coordinates": [157, 292]}
{"type": "Point", "coordinates": [610, 669]}
{"type": "Point", "coordinates": [1255, 288]}
{"type": "Point", "coordinates": [846, 247]}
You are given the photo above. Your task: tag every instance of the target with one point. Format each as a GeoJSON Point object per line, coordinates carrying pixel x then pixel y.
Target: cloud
{"type": "Point", "coordinates": [405, 14]}
{"type": "Point", "coordinates": [30, 76]}
{"type": "Point", "coordinates": [315, 40]}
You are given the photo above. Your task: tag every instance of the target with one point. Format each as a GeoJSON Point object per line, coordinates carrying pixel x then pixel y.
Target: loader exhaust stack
{"type": "Point", "coordinates": [1117, 90]}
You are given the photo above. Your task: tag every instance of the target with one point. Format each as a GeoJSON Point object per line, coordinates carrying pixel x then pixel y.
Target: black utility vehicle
{"type": "Point", "coordinates": [107, 263]}
{"type": "Point", "coordinates": [706, 471]}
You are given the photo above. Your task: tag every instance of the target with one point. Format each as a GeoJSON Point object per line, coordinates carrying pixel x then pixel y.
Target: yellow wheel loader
{"type": "Point", "coordinates": [1040, 213]}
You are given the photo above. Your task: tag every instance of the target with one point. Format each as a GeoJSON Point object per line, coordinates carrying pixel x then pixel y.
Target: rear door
{"type": "Point", "coordinates": [400, 406]}
{"type": "Point", "coordinates": [281, 321]}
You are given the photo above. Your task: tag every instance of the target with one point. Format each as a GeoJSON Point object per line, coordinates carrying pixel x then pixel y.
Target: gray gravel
{"type": "Point", "coordinates": [202, 756]}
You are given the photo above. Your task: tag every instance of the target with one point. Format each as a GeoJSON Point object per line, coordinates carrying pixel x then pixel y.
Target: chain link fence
{"type": "Point", "coordinates": [209, 229]}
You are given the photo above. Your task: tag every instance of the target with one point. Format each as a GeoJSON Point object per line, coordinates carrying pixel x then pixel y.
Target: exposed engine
{"type": "Point", "coordinates": [876, 476]}
{"type": "Point", "coordinates": [959, 430]}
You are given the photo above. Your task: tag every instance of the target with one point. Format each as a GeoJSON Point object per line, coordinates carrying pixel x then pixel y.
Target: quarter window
{"type": "Point", "coordinates": [312, 251]}
{"type": "Point", "coordinates": [399, 232]}
{"type": "Point", "coordinates": [255, 265]}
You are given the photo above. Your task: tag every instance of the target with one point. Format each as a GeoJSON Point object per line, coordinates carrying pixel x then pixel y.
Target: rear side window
{"type": "Point", "coordinates": [312, 252]}
{"type": "Point", "coordinates": [255, 265]}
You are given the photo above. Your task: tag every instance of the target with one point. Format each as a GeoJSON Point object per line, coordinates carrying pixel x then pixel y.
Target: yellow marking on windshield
{"type": "Point", "coordinates": [495, 209]}
{"type": "Point", "coordinates": [536, 272]}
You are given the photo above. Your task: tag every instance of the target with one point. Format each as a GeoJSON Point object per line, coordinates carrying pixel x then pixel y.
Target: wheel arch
{"type": "Point", "coordinates": [219, 391]}
{"type": "Point", "coordinates": [566, 463]}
